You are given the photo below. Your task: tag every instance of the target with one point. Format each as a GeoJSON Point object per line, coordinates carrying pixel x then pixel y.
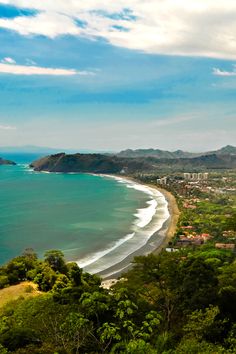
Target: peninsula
{"type": "Point", "coordinates": [115, 164]}
{"type": "Point", "coordinates": [6, 162]}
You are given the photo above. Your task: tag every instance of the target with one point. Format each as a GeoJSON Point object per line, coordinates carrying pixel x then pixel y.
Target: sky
{"type": "Point", "coordinates": [111, 75]}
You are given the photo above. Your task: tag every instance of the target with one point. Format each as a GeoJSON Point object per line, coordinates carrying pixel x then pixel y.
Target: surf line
{"type": "Point", "coordinates": [145, 228]}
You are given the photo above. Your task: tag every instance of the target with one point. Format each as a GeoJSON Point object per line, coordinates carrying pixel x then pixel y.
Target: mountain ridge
{"type": "Point", "coordinates": [228, 149]}
{"type": "Point", "coordinates": [112, 164]}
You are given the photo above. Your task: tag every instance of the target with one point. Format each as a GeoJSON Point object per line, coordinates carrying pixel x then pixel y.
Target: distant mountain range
{"type": "Point", "coordinates": [162, 154]}
{"type": "Point", "coordinates": [131, 161]}
{"type": "Point", "coordinates": [157, 153]}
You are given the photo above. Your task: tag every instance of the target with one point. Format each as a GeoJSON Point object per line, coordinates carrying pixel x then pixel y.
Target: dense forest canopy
{"type": "Point", "coordinates": [179, 302]}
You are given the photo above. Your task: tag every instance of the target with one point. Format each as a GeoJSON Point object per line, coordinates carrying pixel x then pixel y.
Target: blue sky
{"type": "Point", "coordinates": [129, 74]}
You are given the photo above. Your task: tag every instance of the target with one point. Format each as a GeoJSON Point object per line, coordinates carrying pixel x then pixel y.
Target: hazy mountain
{"type": "Point", "coordinates": [163, 154]}
{"type": "Point", "coordinates": [228, 149]}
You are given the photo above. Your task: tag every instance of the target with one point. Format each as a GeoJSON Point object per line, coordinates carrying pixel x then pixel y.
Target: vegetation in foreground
{"type": "Point", "coordinates": [179, 302]}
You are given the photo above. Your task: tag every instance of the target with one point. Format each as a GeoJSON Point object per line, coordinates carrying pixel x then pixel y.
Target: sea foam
{"type": "Point", "coordinates": [149, 220]}
{"type": "Point", "coordinates": [145, 215]}
{"type": "Point", "coordinates": [97, 255]}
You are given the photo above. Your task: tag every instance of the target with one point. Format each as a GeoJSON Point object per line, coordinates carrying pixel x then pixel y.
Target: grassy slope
{"type": "Point", "coordinates": [20, 290]}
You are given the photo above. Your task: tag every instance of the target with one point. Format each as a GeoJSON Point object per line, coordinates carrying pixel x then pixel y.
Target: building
{"type": "Point", "coordinates": [187, 175]}
{"type": "Point", "coordinates": [162, 180]}
{"type": "Point", "coordinates": [229, 246]}
{"type": "Point", "coordinates": [200, 176]}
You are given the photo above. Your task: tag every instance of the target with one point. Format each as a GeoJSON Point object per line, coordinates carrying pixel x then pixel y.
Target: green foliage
{"type": "Point", "coordinates": [138, 346]}
{"type": "Point", "coordinates": [193, 346]}
{"type": "Point", "coordinates": [198, 285]}
{"type": "Point", "coordinates": [4, 281]}
{"type": "Point", "coordinates": [56, 260]}
{"type": "Point", "coordinates": [180, 302]}
{"type": "Point", "coordinates": [17, 269]}
{"type": "Point", "coordinates": [46, 277]}
{"type": "Point", "coordinates": [227, 290]}
{"type": "Point", "coordinates": [3, 350]}
{"type": "Point", "coordinates": [75, 273]}
{"type": "Point", "coordinates": [18, 337]}
{"type": "Point", "coordinates": [200, 323]}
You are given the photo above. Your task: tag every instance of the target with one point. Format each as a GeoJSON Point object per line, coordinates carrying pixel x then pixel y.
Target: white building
{"type": "Point", "coordinates": [196, 176]}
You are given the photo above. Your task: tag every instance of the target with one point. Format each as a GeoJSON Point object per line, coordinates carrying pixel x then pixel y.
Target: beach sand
{"type": "Point", "coordinates": [174, 217]}
{"type": "Point", "coordinates": [173, 210]}
{"type": "Point", "coordinates": [164, 235]}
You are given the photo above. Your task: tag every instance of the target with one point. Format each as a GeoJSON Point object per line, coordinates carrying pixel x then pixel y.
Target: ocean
{"type": "Point", "coordinates": [97, 221]}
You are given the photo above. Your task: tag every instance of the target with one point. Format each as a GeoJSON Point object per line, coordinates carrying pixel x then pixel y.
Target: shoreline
{"type": "Point", "coordinates": [174, 217]}
{"type": "Point", "coordinates": [172, 207]}
{"type": "Point", "coordinates": [160, 237]}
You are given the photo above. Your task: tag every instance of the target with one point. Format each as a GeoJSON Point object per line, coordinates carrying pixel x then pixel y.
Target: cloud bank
{"type": "Point", "coordinates": [204, 28]}
{"type": "Point", "coordinates": [33, 70]}
{"type": "Point", "coordinates": [9, 66]}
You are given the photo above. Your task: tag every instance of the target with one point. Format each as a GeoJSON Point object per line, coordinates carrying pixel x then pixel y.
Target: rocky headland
{"type": "Point", "coordinates": [6, 162]}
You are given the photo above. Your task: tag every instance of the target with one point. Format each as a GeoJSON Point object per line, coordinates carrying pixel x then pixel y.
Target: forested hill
{"type": "Point", "coordinates": [90, 163]}
{"type": "Point", "coordinates": [96, 163]}
{"type": "Point", "coordinates": [6, 162]}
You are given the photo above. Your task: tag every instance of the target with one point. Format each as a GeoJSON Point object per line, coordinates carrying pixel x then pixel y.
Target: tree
{"type": "Point", "coordinates": [4, 281]}
{"type": "Point", "coordinates": [46, 277]}
{"type": "Point", "coordinates": [75, 331]}
{"type": "Point", "coordinates": [3, 350]}
{"type": "Point", "coordinates": [227, 290]}
{"type": "Point", "coordinates": [193, 346]}
{"type": "Point", "coordinates": [18, 337]}
{"type": "Point", "coordinates": [198, 288]}
{"type": "Point", "coordinates": [55, 259]}
{"type": "Point", "coordinates": [75, 273]}
{"type": "Point", "coordinates": [201, 323]}
{"type": "Point", "coordinates": [17, 269]}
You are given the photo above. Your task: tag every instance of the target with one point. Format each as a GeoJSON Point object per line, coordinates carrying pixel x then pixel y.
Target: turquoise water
{"type": "Point", "coordinates": [77, 213]}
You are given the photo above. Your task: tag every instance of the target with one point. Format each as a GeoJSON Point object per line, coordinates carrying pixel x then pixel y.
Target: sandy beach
{"type": "Point", "coordinates": [174, 216]}
{"type": "Point", "coordinates": [161, 237]}
{"type": "Point", "coordinates": [173, 210]}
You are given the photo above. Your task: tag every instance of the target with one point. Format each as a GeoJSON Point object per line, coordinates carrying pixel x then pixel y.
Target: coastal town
{"type": "Point", "coordinates": [201, 196]}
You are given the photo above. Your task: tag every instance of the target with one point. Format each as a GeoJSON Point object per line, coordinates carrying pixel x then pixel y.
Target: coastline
{"type": "Point", "coordinates": [174, 217]}
{"type": "Point", "coordinates": [173, 210]}
{"type": "Point", "coordinates": [161, 237]}
{"type": "Point", "coordinates": [162, 232]}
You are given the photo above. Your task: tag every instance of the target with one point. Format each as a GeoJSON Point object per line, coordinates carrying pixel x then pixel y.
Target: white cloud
{"type": "Point", "coordinates": [219, 72]}
{"type": "Point", "coordinates": [37, 70]}
{"type": "Point", "coordinates": [8, 60]}
{"type": "Point", "coordinates": [176, 27]}
{"type": "Point", "coordinates": [7, 127]}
